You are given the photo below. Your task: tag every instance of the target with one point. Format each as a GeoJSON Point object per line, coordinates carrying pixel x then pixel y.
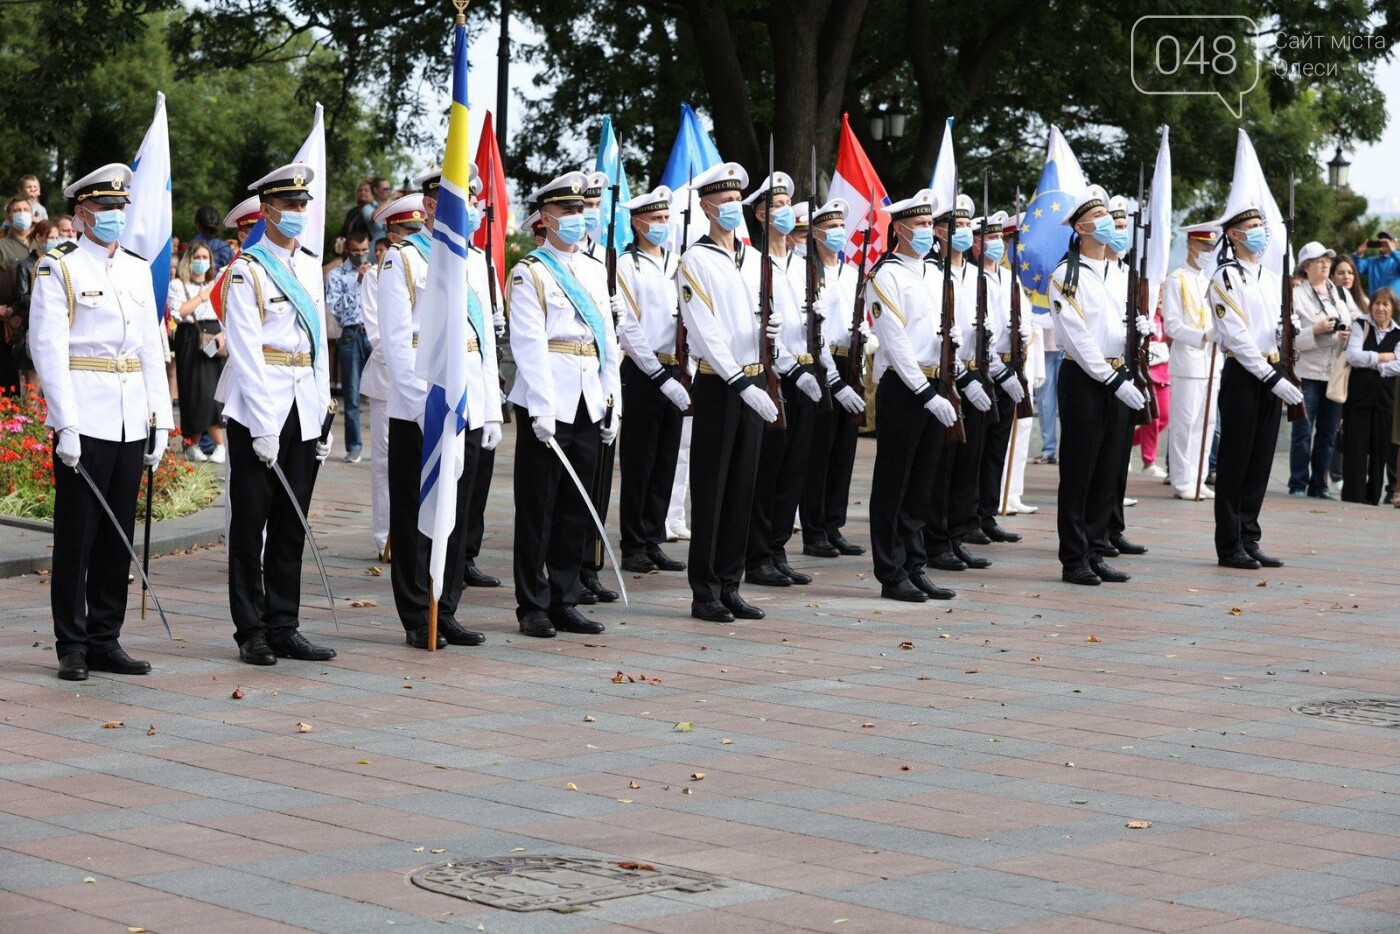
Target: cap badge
{"type": "Point", "coordinates": [298, 179]}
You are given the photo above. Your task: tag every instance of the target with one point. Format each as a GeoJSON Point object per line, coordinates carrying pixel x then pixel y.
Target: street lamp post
{"type": "Point", "coordinates": [1338, 170]}
{"type": "Point", "coordinates": [887, 122]}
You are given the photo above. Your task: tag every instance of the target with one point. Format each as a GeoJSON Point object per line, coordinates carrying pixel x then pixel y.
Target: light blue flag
{"type": "Point", "coordinates": [692, 153]}
{"type": "Point", "coordinates": [610, 164]}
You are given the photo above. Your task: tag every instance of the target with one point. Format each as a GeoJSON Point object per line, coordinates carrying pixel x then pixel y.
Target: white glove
{"type": "Point", "coordinates": [152, 460]}
{"type": "Point", "coordinates": [674, 391]}
{"type": "Point", "coordinates": [850, 401]}
{"type": "Point", "coordinates": [758, 400]}
{"type": "Point", "coordinates": [266, 449]}
{"type": "Point", "coordinates": [975, 394]}
{"type": "Point", "coordinates": [1143, 325]}
{"type": "Point", "coordinates": [872, 343]}
{"type": "Point", "coordinates": [1290, 394]}
{"type": "Point", "coordinates": [1012, 387]}
{"type": "Point", "coordinates": [70, 447]}
{"type": "Point", "coordinates": [1027, 331]}
{"type": "Point", "coordinates": [498, 321]}
{"type": "Point", "coordinates": [942, 410]}
{"type": "Point", "coordinates": [775, 326]}
{"type": "Point", "coordinates": [1040, 381]}
{"type": "Point", "coordinates": [544, 427]}
{"type": "Point", "coordinates": [1129, 395]}
{"type": "Point", "coordinates": [617, 307]}
{"type": "Point", "coordinates": [323, 448]}
{"type": "Point", "coordinates": [609, 429]}
{"type": "Point", "coordinates": [490, 436]}
{"type": "Point", "coordinates": [865, 330]}
{"type": "Point", "coordinates": [809, 386]}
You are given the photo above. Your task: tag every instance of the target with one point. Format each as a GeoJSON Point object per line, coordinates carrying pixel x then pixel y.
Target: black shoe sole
{"type": "Point", "coordinates": [258, 659]}
{"type": "Point", "coordinates": [771, 582]}
{"type": "Point", "coordinates": [538, 634]}
{"type": "Point", "coordinates": [73, 675]}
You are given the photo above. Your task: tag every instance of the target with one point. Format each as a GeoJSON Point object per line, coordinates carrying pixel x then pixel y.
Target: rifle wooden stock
{"type": "Point", "coordinates": [1133, 357]}
{"type": "Point", "coordinates": [983, 351]}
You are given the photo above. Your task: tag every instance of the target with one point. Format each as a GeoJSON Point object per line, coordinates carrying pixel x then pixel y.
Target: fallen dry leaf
{"type": "Point", "coordinates": [441, 850]}
{"type": "Point", "coordinates": [726, 742]}
{"type": "Point", "coordinates": [1093, 639]}
{"type": "Point", "coordinates": [570, 786]}
{"type": "Point", "coordinates": [113, 725]}
{"type": "Point", "coordinates": [906, 646]}
{"type": "Point", "coordinates": [238, 694]}
{"type": "Point", "coordinates": [362, 762]}
{"type": "Point", "coordinates": [1139, 824]}
{"type": "Point", "coordinates": [408, 687]}
{"type": "Point", "coordinates": [685, 726]}
{"type": "Point", "coordinates": [697, 776]}
{"type": "Point", "coordinates": [923, 678]}
{"type": "Point", "coordinates": [1035, 658]}
{"type": "Point", "coordinates": [89, 879]}
{"type": "Point", "coordinates": [944, 635]}
{"type": "Point", "coordinates": [589, 718]}
{"type": "Point", "coordinates": [151, 730]}
{"type": "Point", "coordinates": [304, 728]}
{"type": "Point", "coordinates": [1235, 611]}
{"type": "Point", "coordinates": [360, 604]}
{"type": "Point", "coordinates": [374, 571]}
{"type": "Point", "coordinates": [655, 680]}
{"type": "Point", "coordinates": [419, 849]}
{"type": "Point", "coordinates": [867, 726]}
{"type": "Point", "coordinates": [633, 785]}
{"type": "Point", "coordinates": [906, 768]}
{"type": "Point", "coordinates": [971, 671]}
{"type": "Point", "coordinates": [1263, 583]}
{"type": "Point", "coordinates": [619, 678]}
{"type": "Point", "coordinates": [636, 867]}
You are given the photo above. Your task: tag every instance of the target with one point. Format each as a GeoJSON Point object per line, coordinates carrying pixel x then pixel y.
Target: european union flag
{"type": "Point", "coordinates": [692, 153]}
{"type": "Point", "coordinates": [1043, 237]}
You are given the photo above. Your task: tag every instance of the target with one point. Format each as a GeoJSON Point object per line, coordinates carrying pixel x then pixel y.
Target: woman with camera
{"type": "Point", "coordinates": [199, 350]}
{"type": "Point", "coordinates": [1326, 316]}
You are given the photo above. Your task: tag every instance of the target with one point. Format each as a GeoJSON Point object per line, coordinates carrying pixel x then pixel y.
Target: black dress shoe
{"type": "Point", "coordinates": [457, 634]}
{"type": "Point", "coordinates": [997, 534]}
{"type": "Point", "coordinates": [1107, 551]}
{"type": "Point", "coordinates": [1252, 549]}
{"type": "Point", "coordinates": [591, 583]}
{"type": "Point", "coordinates": [73, 667]}
{"type": "Point", "coordinates": [638, 564]}
{"type": "Point", "coordinates": [256, 651]}
{"type": "Point", "coordinates": [295, 645]}
{"type": "Point", "coordinates": [839, 542]}
{"type": "Point", "coordinates": [969, 559]}
{"type": "Point", "coordinates": [947, 561]}
{"type": "Point", "coordinates": [586, 596]}
{"type": "Point", "coordinates": [822, 549]}
{"type": "Point", "coordinates": [536, 623]}
{"type": "Point", "coordinates": [903, 591]}
{"type": "Point", "coordinates": [797, 577]}
{"type": "Point", "coordinates": [1239, 559]}
{"type": "Point", "coordinates": [711, 611]}
{"type": "Point", "coordinates": [663, 561]}
{"type": "Point", "coordinates": [1107, 573]}
{"type": "Point", "coordinates": [418, 637]}
{"type": "Point", "coordinates": [1126, 547]}
{"type": "Point", "coordinates": [768, 576]}
{"type": "Point", "coordinates": [116, 661]}
{"type": "Point", "coordinates": [571, 620]}
{"type": "Point", "coordinates": [977, 537]}
{"type": "Point", "coordinates": [1080, 574]}
{"type": "Point", "coordinates": [934, 592]}
{"type": "Point", "coordinates": [741, 608]}
{"type": "Point", "coordinates": [475, 578]}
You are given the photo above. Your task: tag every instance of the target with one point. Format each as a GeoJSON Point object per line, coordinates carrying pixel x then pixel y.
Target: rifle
{"type": "Point", "coordinates": [856, 357]}
{"type": "Point", "coordinates": [491, 288]}
{"type": "Point", "coordinates": [955, 433]}
{"type": "Point", "coordinates": [814, 284]}
{"type": "Point", "coordinates": [767, 349]}
{"type": "Point", "coordinates": [1145, 309]}
{"type": "Point", "coordinates": [1286, 330]}
{"type": "Point", "coordinates": [682, 354]}
{"type": "Point", "coordinates": [1024, 409]}
{"type": "Point", "coordinates": [1133, 356]}
{"type": "Point", "coordinates": [982, 352]}
{"type": "Point", "coordinates": [611, 264]}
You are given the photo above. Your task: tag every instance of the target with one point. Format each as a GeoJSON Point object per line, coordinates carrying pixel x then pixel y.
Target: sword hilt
{"type": "Point", "coordinates": [326, 424]}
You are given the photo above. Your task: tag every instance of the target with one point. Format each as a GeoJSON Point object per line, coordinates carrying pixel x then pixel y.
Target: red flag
{"type": "Point", "coordinates": [491, 170]}
{"type": "Point", "coordinates": [855, 181]}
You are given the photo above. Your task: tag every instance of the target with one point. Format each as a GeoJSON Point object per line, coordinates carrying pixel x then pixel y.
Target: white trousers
{"type": "Point", "coordinates": [379, 470]}
{"type": "Point", "coordinates": [1013, 475]}
{"type": "Point", "coordinates": [675, 515]}
{"type": "Point", "coordinates": [1187, 415]}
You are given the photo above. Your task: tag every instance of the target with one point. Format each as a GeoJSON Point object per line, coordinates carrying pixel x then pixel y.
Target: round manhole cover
{"type": "Point", "coordinates": [555, 883]}
{"type": "Point", "coordinates": [1364, 712]}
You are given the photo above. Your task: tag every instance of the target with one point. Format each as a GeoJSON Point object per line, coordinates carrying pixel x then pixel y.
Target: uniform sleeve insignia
{"type": "Point", "coordinates": [875, 309]}
{"type": "Point", "coordinates": [519, 280]}
{"type": "Point", "coordinates": [686, 293]}
{"type": "Point", "coordinates": [1219, 310]}
{"type": "Point", "coordinates": [44, 271]}
{"type": "Point", "coordinates": [388, 262]}
{"type": "Point", "coordinates": [236, 278]}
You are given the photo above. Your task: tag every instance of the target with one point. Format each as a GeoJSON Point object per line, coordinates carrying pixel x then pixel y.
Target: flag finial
{"type": "Point", "coordinates": [461, 6]}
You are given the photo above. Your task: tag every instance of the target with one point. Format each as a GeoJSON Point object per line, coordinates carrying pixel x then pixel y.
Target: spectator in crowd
{"type": "Point", "coordinates": [1046, 394]}
{"type": "Point", "coordinates": [206, 222]}
{"type": "Point", "coordinates": [381, 247]}
{"type": "Point", "coordinates": [1147, 436]}
{"type": "Point", "coordinates": [14, 246]}
{"type": "Point", "coordinates": [359, 218]}
{"type": "Point", "coordinates": [43, 238]}
{"type": "Point", "coordinates": [200, 351]}
{"type": "Point", "coordinates": [1346, 278]}
{"type": "Point", "coordinates": [1383, 269]}
{"type": "Point", "coordinates": [383, 193]}
{"type": "Point", "coordinates": [14, 249]}
{"type": "Point", "coordinates": [1367, 449]}
{"type": "Point", "coordinates": [29, 190]}
{"type": "Point", "coordinates": [1325, 315]}
{"type": "Point", "coordinates": [343, 302]}
{"type": "Point", "coordinates": [66, 231]}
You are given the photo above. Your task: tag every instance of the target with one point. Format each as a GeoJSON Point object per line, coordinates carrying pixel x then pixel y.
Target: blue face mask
{"type": "Point", "coordinates": [22, 221]}
{"type": "Point", "coordinates": [1103, 230]}
{"type": "Point", "coordinates": [473, 219]}
{"type": "Point", "coordinates": [834, 239]}
{"type": "Point", "coordinates": [571, 229]}
{"type": "Point", "coordinates": [291, 224]}
{"type": "Point", "coordinates": [107, 226]}
{"type": "Point", "coordinates": [657, 233]}
{"type": "Point", "coordinates": [199, 266]}
{"type": "Point", "coordinates": [995, 250]}
{"type": "Point", "coordinates": [731, 215]}
{"type": "Point", "coordinates": [784, 220]}
{"type": "Point", "coordinates": [922, 240]}
{"type": "Point", "coordinates": [962, 239]}
{"type": "Point", "coordinates": [1120, 241]}
{"type": "Point", "coordinates": [592, 220]}
{"type": "Point", "coordinates": [1256, 240]}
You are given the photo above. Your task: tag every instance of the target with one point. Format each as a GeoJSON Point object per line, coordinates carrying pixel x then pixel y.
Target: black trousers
{"type": "Point", "coordinates": [1366, 452]}
{"type": "Point", "coordinates": [1249, 417]}
{"type": "Point", "coordinates": [782, 470]}
{"type": "Point", "coordinates": [265, 537]}
{"type": "Point", "coordinates": [994, 459]}
{"type": "Point", "coordinates": [88, 597]}
{"type": "Point", "coordinates": [476, 509]}
{"type": "Point", "coordinates": [650, 445]}
{"type": "Point", "coordinates": [907, 453]}
{"type": "Point", "coordinates": [409, 558]}
{"type": "Point", "coordinates": [954, 511]}
{"type": "Point", "coordinates": [551, 517]}
{"type": "Point", "coordinates": [600, 487]}
{"type": "Point", "coordinates": [826, 493]}
{"type": "Point", "coordinates": [1092, 424]}
{"type": "Point", "coordinates": [1122, 449]}
{"type": "Point", "coordinates": [726, 436]}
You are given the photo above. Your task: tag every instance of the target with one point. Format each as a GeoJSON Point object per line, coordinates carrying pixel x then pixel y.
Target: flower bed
{"type": "Point", "coordinates": [26, 469]}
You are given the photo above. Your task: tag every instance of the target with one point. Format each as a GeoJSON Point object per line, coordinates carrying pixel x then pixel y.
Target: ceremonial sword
{"type": "Point", "coordinates": [126, 542]}
{"type": "Point", "coordinates": [301, 517]}
{"type": "Point", "coordinates": [588, 501]}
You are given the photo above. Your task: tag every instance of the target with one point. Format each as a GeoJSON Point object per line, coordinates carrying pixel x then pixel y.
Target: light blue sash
{"type": "Point", "coordinates": [290, 286]}
{"type": "Point", "coordinates": [578, 297]}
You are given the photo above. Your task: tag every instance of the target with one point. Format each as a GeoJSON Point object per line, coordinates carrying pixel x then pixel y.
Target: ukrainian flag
{"type": "Point", "coordinates": [444, 330]}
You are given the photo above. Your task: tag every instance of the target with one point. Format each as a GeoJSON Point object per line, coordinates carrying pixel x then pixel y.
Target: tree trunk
{"type": "Point", "coordinates": [735, 135]}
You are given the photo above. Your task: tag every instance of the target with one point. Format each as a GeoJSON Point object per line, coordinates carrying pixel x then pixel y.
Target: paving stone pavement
{"type": "Point", "coordinates": [867, 766]}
